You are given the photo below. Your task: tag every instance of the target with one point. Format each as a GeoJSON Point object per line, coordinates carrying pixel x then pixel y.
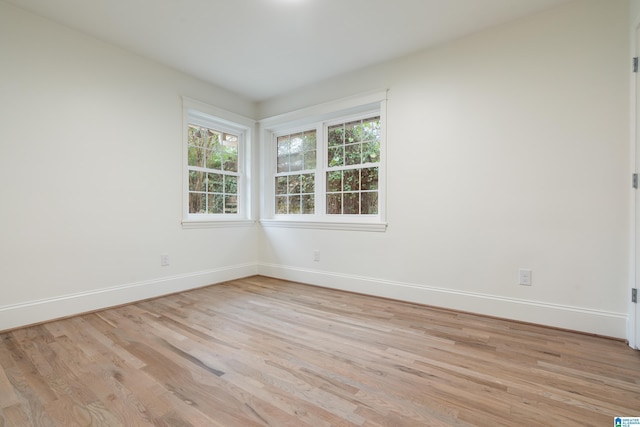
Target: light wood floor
{"type": "Point", "coordinates": [261, 351]}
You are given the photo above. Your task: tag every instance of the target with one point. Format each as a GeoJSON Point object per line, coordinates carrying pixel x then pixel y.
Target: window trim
{"type": "Point", "coordinates": [318, 117]}
{"type": "Point", "coordinates": [200, 113]}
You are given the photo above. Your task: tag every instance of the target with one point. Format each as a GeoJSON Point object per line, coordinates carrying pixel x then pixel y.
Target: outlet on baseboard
{"type": "Point", "coordinates": [164, 260]}
{"type": "Point", "coordinates": [525, 276]}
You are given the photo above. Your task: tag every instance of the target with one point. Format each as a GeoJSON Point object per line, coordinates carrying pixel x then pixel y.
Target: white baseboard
{"type": "Point", "coordinates": [574, 318]}
{"type": "Point", "coordinates": [560, 316]}
{"type": "Point", "coordinates": [37, 311]}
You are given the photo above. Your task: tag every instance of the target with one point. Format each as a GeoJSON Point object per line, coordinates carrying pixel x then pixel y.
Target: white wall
{"type": "Point", "coordinates": [634, 7]}
{"type": "Point", "coordinates": [90, 176]}
{"type": "Point", "coordinates": [507, 149]}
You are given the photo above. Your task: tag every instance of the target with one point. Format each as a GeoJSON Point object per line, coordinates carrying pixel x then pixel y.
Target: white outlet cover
{"type": "Point", "coordinates": [525, 277]}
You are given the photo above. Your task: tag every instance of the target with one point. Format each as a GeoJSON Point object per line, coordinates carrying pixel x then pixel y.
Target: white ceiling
{"type": "Point", "coordinates": [263, 48]}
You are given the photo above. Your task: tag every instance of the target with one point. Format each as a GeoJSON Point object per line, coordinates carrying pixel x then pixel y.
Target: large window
{"type": "Point", "coordinates": [326, 169]}
{"type": "Point", "coordinates": [216, 162]}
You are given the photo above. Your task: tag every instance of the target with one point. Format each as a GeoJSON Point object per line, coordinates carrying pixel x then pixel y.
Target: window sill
{"type": "Point", "coordinates": [326, 225]}
{"type": "Point", "coordinates": [216, 223]}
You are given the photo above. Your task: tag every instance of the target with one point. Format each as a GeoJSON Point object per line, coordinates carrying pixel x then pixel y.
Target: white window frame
{"type": "Point", "coordinates": [202, 114]}
{"type": "Point", "coordinates": [318, 118]}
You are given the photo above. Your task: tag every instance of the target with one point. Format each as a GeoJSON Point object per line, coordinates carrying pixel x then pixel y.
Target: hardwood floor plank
{"type": "Point", "coordinates": [8, 397]}
{"type": "Point", "coordinates": [14, 416]}
{"type": "Point", "coordinates": [266, 352]}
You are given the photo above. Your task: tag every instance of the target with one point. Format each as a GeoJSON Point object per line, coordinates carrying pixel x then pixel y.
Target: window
{"type": "Point", "coordinates": [216, 161]}
{"type": "Point", "coordinates": [295, 173]}
{"type": "Point", "coordinates": [353, 159]}
{"type": "Point", "coordinates": [326, 170]}
{"type": "Point", "coordinates": [213, 171]}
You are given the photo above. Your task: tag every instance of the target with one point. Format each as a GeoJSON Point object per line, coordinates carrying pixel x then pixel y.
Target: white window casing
{"type": "Point", "coordinates": [318, 119]}
{"type": "Point", "coordinates": [199, 114]}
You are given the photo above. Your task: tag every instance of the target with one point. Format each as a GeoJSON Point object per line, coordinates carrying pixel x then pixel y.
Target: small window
{"type": "Point", "coordinates": [213, 171]}
{"type": "Point", "coordinates": [353, 159]}
{"type": "Point", "coordinates": [295, 177]}
{"type": "Point", "coordinates": [215, 165]}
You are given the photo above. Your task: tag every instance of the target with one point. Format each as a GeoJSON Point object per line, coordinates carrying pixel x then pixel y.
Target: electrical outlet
{"type": "Point", "coordinates": [316, 255]}
{"type": "Point", "coordinates": [164, 260]}
{"type": "Point", "coordinates": [525, 277]}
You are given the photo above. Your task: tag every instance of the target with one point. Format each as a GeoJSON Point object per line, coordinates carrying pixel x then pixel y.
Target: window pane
{"type": "Point", "coordinates": [230, 184]}
{"type": "Point", "coordinates": [295, 144]}
{"type": "Point", "coordinates": [334, 181]}
{"type": "Point", "coordinates": [281, 185]}
{"type": "Point", "coordinates": [214, 184]}
{"type": "Point", "coordinates": [211, 138]}
{"type": "Point", "coordinates": [230, 204]}
{"type": "Point", "coordinates": [308, 204]}
{"type": "Point", "coordinates": [215, 204]}
{"type": "Point", "coordinates": [296, 162]}
{"type": "Point", "coordinates": [369, 203]}
{"type": "Point", "coordinates": [197, 202]}
{"type": "Point", "coordinates": [283, 145]}
{"type": "Point", "coordinates": [371, 152]}
{"type": "Point", "coordinates": [336, 135]}
{"type": "Point", "coordinates": [352, 154]}
{"type": "Point", "coordinates": [281, 204]}
{"type": "Point", "coordinates": [196, 156]}
{"type": "Point", "coordinates": [214, 159]}
{"type": "Point", "coordinates": [283, 154]}
{"type": "Point", "coordinates": [213, 156]}
{"type": "Point", "coordinates": [351, 203]}
{"type": "Point", "coordinates": [310, 160]}
{"type": "Point", "coordinates": [191, 134]}
{"type": "Point", "coordinates": [294, 204]}
{"type": "Point", "coordinates": [308, 183]}
{"type": "Point", "coordinates": [231, 162]}
{"type": "Point", "coordinates": [369, 179]}
{"type": "Point", "coordinates": [309, 141]}
{"type": "Point", "coordinates": [334, 204]}
{"type": "Point", "coordinates": [351, 180]}
{"type": "Point", "coordinates": [352, 132]}
{"type": "Point", "coordinates": [296, 154]}
{"type": "Point", "coordinates": [294, 184]}
{"type": "Point", "coordinates": [195, 136]}
{"type": "Point", "coordinates": [371, 129]}
{"type": "Point", "coordinates": [283, 163]}
{"type": "Point", "coordinates": [336, 156]}
{"type": "Point", "coordinates": [196, 181]}
{"type": "Point", "coordinates": [230, 150]}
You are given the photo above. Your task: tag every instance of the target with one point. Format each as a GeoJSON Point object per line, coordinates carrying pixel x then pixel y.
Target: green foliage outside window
{"type": "Point", "coordinates": [351, 170]}
{"type": "Point", "coordinates": [352, 183]}
{"type": "Point", "coordinates": [213, 171]}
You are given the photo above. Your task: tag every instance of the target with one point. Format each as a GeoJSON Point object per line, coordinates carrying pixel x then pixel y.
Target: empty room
{"type": "Point", "coordinates": [319, 213]}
